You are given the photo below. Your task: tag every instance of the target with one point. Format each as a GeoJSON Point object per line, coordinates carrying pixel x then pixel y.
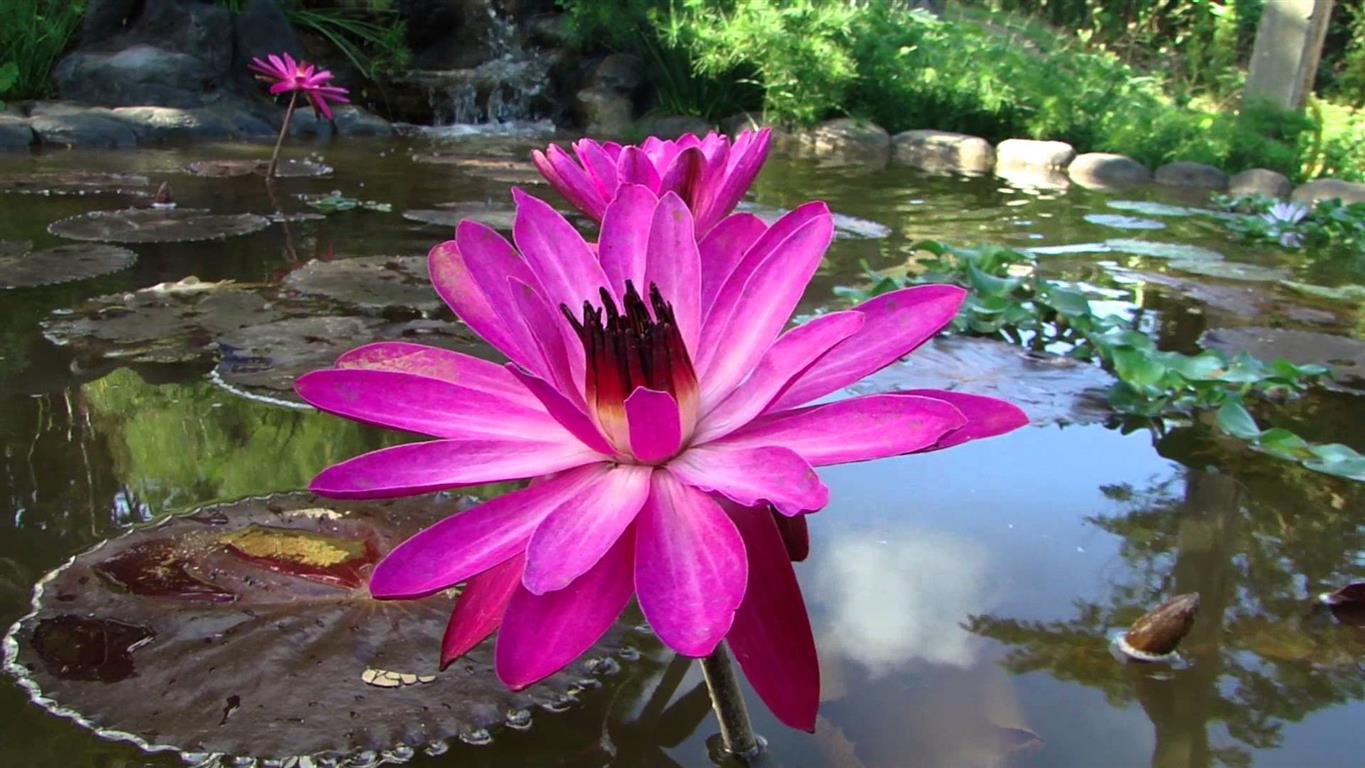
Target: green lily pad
{"type": "Point", "coordinates": [65, 263]}
{"type": "Point", "coordinates": [1339, 292]}
{"type": "Point", "coordinates": [246, 630]}
{"type": "Point", "coordinates": [1122, 222]}
{"type": "Point", "coordinates": [374, 284]}
{"type": "Point", "coordinates": [1153, 249]}
{"type": "Point", "coordinates": [151, 225]}
{"type": "Point", "coordinates": [1232, 270]}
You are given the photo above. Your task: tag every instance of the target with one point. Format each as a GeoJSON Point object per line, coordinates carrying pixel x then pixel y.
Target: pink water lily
{"type": "Point", "coordinates": [661, 410]}
{"type": "Point", "coordinates": [289, 76]}
{"type": "Point", "coordinates": [710, 174]}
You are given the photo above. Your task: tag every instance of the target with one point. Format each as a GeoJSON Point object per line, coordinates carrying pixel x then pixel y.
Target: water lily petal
{"type": "Point", "coordinates": [690, 568]}
{"type": "Point", "coordinates": [986, 416]}
{"type": "Point", "coordinates": [565, 266]}
{"type": "Point", "coordinates": [897, 322]}
{"type": "Point", "coordinates": [564, 411]}
{"type": "Point", "coordinates": [655, 424]}
{"type": "Point", "coordinates": [683, 174]}
{"type": "Point", "coordinates": [426, 406]}
{"type": "Point", "coordinates": [570, 180]}
{"type": "Point", "coordinates": [791, 354]}
{"type": "Point", "coordinates": [600, 166]}
{"type": "Point", "coordinates": [475, 540]}
{"type": "Point", "coordinates": [771, 239]}
{"type": "Point", "coordinates": [751, 475]}
{"type": "Point", "coordinates": [744, 323]}
{"type": "Point", "coordinates": [451, 278]}
{"type": "Point", "coordinates": [722, 249]}
{"type": "Point", "coordinates": [540, 634]}
{"type": "Point", "coordinates": [771, 636]}
{"type": "Point", "coordinates": [746, 157]}
{"type": "Point", "coordinates": [795, 535]}
{"type": "Point", "coordinates": [480, 607]}
{"type": "Point", "coordinates": [406, 470]}
{"type": "Point", "coordinates": [625, 238]}
{"type": "Point", "coordinates": [856, 429]}
{"type": "Point", "coordinates": [552, 337]}
{"type": "Point", "coordinates": [674, 264]}
{"type": "Point", "coordinates": [572, 538]}
{"type": "Point", "coordinates": [437, 363]}
{"type": "Point", "coordinates": [634, 167]}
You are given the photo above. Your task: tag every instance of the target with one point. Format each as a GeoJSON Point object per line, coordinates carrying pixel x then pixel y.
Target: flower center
{"type": "Point", "coordinates": [630, 348]}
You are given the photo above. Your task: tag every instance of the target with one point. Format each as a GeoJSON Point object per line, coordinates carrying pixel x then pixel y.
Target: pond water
{"type": "Point", "coordinates": [963, 600]}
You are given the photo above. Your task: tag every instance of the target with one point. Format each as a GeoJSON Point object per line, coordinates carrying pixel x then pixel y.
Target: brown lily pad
{"type": "Point", "coordinates": [265, 359]}
{"type": "Point", "coordinates": [1050, 388]}
{"type": "Point", "coordinates": [1343, 355]}
{"type": "Point", "coordinates": [65, 263]}
{"type": "Point", "coordinates": [500, 169]}
{"type": "Point", "coordinates": [495, 215]}
{"type": "Point", "coordinates": [290, 664]}
{"type": "Point", "coordinates": [287, 169]}
{"type": "Point", "coordinates": [369, 283]}
{"type": "Point", "coordinates": [151, 225]}
{"type": "Point", "coordinates": [74, 183]}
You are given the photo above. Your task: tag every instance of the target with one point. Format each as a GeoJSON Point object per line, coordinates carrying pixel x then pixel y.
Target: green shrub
{"type": "Point", "coordinates": [33, 36]}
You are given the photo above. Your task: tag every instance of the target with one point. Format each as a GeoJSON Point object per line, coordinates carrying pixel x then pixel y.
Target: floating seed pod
{"type": "Point", "coordinates": [162, 200]}
{"type": "Point", "coordinates": [1155, 636]}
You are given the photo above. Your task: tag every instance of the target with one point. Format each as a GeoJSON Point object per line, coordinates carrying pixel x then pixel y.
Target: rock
{"type": "Point", "coordinates": [604, 112]}
{"type": "Point", "coordinates": [551, 30]}
{"type": "Point", "coordinates": [1323, 189]}
{"type": "Point", "coordinates": [89, 127]}
{"type": "Point", "coordinates": [673, 126]}
{"type": "Point", "coordinates": [1192, 176]}
{"type": "Point", "coordinates": [1025, 177]}
{"type": "Point", "coordinates": [15, 133]}
{"type": "Point", "coordinates": [845, 140]}
{"type": "Point", "coordinates": [354, 121]}
{"type": "Point", "coordinates": [1260, 181]}
{"type": "Point", "coordinates": [943, 151]}
{"type": "Point", "coordinates": [1102, 170]}
{"type": "Point", "coordinates": [105, 19]}
{"type": "Point", "coordinates": [1027, 154]}
{"type": "Point", "coordinates": [162, 125]}
{"type": "Point", "coordinates": [261, 28]}
{"type": "Point", "coordinates": [619, 72]}
{"type": "Point", "coordinates": [141, 75]}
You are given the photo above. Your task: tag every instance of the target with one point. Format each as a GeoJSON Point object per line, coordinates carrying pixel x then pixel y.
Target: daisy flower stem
{"type": "Point", "coordinates": [728, 702]}
{"type": "Point", "coordinates": [284, 129]}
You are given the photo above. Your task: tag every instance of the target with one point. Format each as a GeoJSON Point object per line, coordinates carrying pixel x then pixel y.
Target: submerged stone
{"type": "Point", "coordinates": [65, 263]}
{"type": "Point", "coordinates": [150, 225]}
{"type": "Point", "coordinates": [293, 665]}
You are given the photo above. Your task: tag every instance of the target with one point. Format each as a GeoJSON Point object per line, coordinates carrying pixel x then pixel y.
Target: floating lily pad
{"type": "Point", "coordinates": [1340, 292]}
{"type": "Point", "coordinates": [1153, 249]}
{"type": "Point", "coordinates": [1150, 208]}
{"type": "Point", "coordinates": [265, 359]}
{"type": "Point", "coordinates": [502, 170]}
{"type": "Point", "coordinates": [62, 264]}
{"type": "Point", "coordinates": [74, 183]}
{"type": "Point", "coordinates": [11, 248]}
{"type": "Point", "coordinates": [166, 323]}
{"type": "Point", "coordinates": [1345, 356]}
{"type": "Point", "coordinates": [1232, 270]}
{"type": "Point", "coordinates": [149, 225]}
{"type": "Point", "coordinates": [370, 283]}
{"type": "Point", "coordinates": [495, 215]}
{"type": "Point", "coordinates": [1051, 389]}
{"type": "Point", "coordinates": [844, 226]}
{"type": "Point", "coordinates": [287, 169]}
{"type": "Point", "coordinates": [246, 630]}
{"type": "Point", "coordinates": [1122, 222]}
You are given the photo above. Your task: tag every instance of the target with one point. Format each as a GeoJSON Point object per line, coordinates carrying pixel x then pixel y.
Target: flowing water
{"type": "Point", "coordinates": [963, 601]}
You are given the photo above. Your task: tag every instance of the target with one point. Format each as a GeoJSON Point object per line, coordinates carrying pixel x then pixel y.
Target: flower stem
{"type": "Point", "coordinates": [728, 702]}
{"type": "Point", "coordinates": [284, 129]}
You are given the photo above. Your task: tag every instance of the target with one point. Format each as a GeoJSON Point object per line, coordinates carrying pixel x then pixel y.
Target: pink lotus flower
{"type": "Point", "coordinates": [287, 75]}
{"type": "Point", "coordinates": [710, 174]}
{"type": "Point", "coordinates": [660, 408]}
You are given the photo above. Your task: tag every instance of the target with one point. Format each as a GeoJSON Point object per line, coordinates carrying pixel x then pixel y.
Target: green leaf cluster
{"type": "Point", "coordinates": [33, 36]}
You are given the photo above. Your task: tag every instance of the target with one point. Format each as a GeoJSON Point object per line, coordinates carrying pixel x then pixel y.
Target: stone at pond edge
{"type": "Point", "coordinates": [673, 126]}
{"type": "Point", "coordinates": [1027, 154]}
{"type": "Point", "coordinates": [1160, 631]}
{"type": "Point", "coordinates": [1344, 356]}
{"type": "Point", "coordinates": [843, 141]}
{"type": "Point", "coordinates": [1260, 181]}
{"type": "Point", "coordinates": [15, 133]}
{"type": "Point", "coordinates": [1325, 189]}
{"type": "Point", "coordinates": [1103, 170]}
{"type": "Point", "coordinates": [144, 225]}
{"type": "Point", "coordinates": [64, 263]}
{"type": "Point", "coordinates": [1192, 175]}
{"type": "Point", "coordinates": [943, 152]}
{"type": "Point", "coordinates": [272, 659]}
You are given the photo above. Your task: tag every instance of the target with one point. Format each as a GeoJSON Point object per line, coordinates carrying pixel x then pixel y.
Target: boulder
{"type": "Point", "coordinates": [89, 127]}
{"type": "Point", "coordinates": [1324, 189]}
{"type": "Point", "coordinates": [15, 133]}
{"type": "Point", "coordinates": [845, 140]}
{"type": "Point", "coordinates": [673, 126]}
{"type": "Point", "coordinates": [1102, 170]}
{"type": "Point", "coordinates": [604, 112]}
{"type": "Point", "coordinates": [168, 125]}
{"type": "Point", "coordinates": [1260, 181]}
{"type": "Point", "coordinates": [351, 120]}
{"type": "Point", "coordinates": [261, 28]}
{"type": "Point", "coordinates": [551, 30]}
{"type": "Point", "coordinates": [618, 72]}
{"type": "Point", "coordinates": [1192, 176]}
{"type": "Point", "coordinates": [1027, 154]}
{"type": "Point", "coordinates": [107, 19]}
{"type": "Point", "coordinates": [141, 75]}
{"type": "Point", "coordinates": [943, 152]}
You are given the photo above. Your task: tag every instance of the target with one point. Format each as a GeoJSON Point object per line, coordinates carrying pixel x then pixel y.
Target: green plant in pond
{"type": "Point", "coordinates": [1007, 299]}
{"type": "Point", "coordinates": [33, 36]}
{"type": "Point", "coordinates": [335, 202]}
{"type": "Point", "coordinates": [369, 33]}
{"type": "Point", "coordinates": [1326, 224]}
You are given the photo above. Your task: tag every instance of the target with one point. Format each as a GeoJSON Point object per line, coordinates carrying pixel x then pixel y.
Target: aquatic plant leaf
{"type": "Point", "coordinates": [1154, 249]}
{"type": "Point", "coordinates": [1234, 420]}
{"type": "Point", "coordinates": [1339, 292]}
{"type": "Point", "coordinates": [496, 215]}
{"type": "Point", "coordinates": [1152, 208]}
{"type": "Point", "coordinates": [499, 169]}
{"type": "Point", "coordinates": [74, 183]}
{"type": "Point", "coordinates": [150, 225]}
{"type": "Point", "coordinates": [1051, 389]}
{"type": "Point", "coordinates": [1118, 221]}
{"type": "Point", "coordinates": [369, 283]}
{"type": "Point", "coordinates": [1232, 270]}
{"type": "Point", "coordinates": [65, 263]}
{"type": "Point", "coordinates": [289, 168]}
{"type": "Point", "coordinates": [1344, 356]}
{"type": "Point", "coordinates": [159, 568]}
{"type": "Point", "coordinates": [293, 665]}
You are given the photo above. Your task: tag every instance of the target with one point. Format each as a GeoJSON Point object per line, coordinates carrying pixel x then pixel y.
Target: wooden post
{"type": "Point", "coordinates": [1285, 57]}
